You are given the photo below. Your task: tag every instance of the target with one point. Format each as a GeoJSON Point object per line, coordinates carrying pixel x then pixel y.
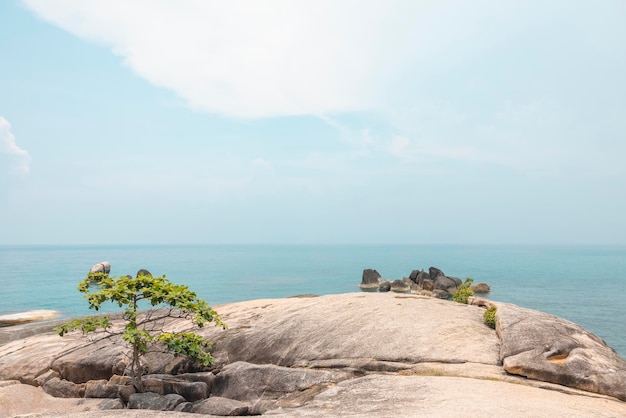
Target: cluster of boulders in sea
{"type": "Point", "coordinates": [434, 283]}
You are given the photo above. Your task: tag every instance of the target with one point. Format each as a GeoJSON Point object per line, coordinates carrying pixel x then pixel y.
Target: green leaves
{"type": "Point", "coordinates": [86, 325]}
{"type": "Point", "coordinates": [464, 292]}
{"type": "Point", "coordinates": [140, 331]}
{"type": "Point", "coordinates": [189, 344]}
{"type": "Point", "coordinates": [489, 316]}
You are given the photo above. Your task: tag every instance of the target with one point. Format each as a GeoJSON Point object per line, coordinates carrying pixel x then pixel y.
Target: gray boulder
{"type": "Point", "coordinates": [221, 407]}
{"type": "Point", "coordinates": [164, 384]}
{"type": "Point", "coordinates": [400, 286]}
{"type": "Point", "coordinates": [252, 382]}
{"type": "Point", "coordinates": [544, 347]}
{"type": "Point", "coordinates": [385, 286]}
{"type": "Point", "coordinates": [371, 279]}
{"type": "Point", "coordinates": [456, 280]}
{"type": "Point", "coordinates": [61, 388]}
{"type": "Point", "coordinates": [434, 272]}
{"type": "Point", "coordinates": [104, 389]}
{"type": "Point", "coordinates": [421, 276]}
{"type": "Point", "coordinates": [428, 285]}
{"type": "Point", "coordinates": [446, 283]}
{"type": "Point", "coordinates": [480, 288]}
{"type": "Point", "coordinates": [154, 401]}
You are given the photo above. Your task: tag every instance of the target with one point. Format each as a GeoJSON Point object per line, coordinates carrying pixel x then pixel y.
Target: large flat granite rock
{"type": "Point", "coordinates": [362, 354]}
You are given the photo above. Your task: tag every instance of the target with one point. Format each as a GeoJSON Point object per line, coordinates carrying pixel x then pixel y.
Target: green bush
{"type": "Point", "coordinates": [489, 317]}
{"type": "Point", "coordinates": [462, 294]}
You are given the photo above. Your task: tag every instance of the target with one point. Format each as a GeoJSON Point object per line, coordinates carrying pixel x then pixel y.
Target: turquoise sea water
{"type": "Point", "coordinates": [586, 285]}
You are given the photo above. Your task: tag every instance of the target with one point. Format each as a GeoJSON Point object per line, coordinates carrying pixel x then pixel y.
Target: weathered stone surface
{"type": "Point", "coordinates": [106, 389]}
{"type": "Point", "coordinates": [352, 327]}
{"type": "Point", "coordinates": [480, 288]}
{"type": "Point", "coordinates": [61, 388]}
{"type": "Point", "coordinates": [349, 333]}
{"type": "Point", "coordinates": [18, 332]}
{"type": "Point", "coordinates": [103, 267]}
{"type": "Point", "coordinates": [95, 361]}
{"type": "Point", "coordinates": [221, 407]}
{"type": "Point", "coordinates": [400, 286]}
{"type": "Point", "coordinates": [184, 407]}
{"type": "Point", "coordinates": [25, 317]}
{"type": "Point", "coordinates": [111, 404]}
{"type": "Point", "coordinates": [385, 286]}
{"type": "Point", "coordinates": [250, 382]}
{"type": "Point", "coordinates": [154, 401]}
{"type": "Point", "coordinates": [441, 294]}
{"type": "Point", "coordinates": [191, 391]}
{"type": "Point", "coordinates": [445, 397]}
{"type": "Point", "coordinates": [544, 347]}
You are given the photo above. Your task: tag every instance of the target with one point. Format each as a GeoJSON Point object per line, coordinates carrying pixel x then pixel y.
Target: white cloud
{"type": "Point", "coordinates": [437, 74]}
{"type": "Point", "coordinates": [252, 58]}
{"type": "Point", "coordinates": [17, 158]}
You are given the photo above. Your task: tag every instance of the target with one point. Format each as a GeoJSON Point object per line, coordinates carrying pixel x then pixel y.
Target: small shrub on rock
{"type": "Point", "coordinates": [489, 317]}
{"type": "Point", "coordinates": [462, 294]}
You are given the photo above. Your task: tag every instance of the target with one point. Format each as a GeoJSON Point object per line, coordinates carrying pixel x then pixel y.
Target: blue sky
{"type": "Point", "coordinates": [312, 122]}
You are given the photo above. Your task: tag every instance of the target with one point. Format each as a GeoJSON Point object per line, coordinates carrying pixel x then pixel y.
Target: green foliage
{"type": "Point", "coordinates": [143, 329]}
{"type": "Point", "coordinates": [489, 317]}
{"type": "Point", "coordinates": [86, 325]}
{"type": "Point", "coordinates": [462, 294]}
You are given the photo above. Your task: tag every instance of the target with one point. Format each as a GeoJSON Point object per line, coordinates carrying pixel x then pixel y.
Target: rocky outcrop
{"type": "Point", "coordinates": [434, 283]}
{"type": "Point", "coordinates": [319, 356]}
{"type": "Point", "coordinates": [551, 349]}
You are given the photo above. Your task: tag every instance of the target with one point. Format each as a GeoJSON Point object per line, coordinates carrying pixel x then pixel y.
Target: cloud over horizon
{"type": "Point", "coordinates": [18, 159]}
{"type": "Point", "coordinates": [453, 79]}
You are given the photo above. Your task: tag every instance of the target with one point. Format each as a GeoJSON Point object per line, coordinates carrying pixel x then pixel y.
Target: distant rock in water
{"type": "Point", "coordinates": [400, 286]}
{"type": "Point", "coordinates": [432, 283]}
{"type": "Point", "coordinates": [143, 272]}
{"type": "Point", "coordinates": [385, 286]}
{"type": "Point", "coordinates": [103, 267]}
{"type": "Point", "coordinates": [371, 279]}
{"type": "Point", "coordinates": [481, 288]}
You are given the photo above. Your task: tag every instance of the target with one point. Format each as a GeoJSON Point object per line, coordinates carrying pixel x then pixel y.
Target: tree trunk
{"type": "Point", "coordinates": [137, 371]}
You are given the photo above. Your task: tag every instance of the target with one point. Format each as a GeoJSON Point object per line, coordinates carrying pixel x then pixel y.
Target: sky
{"type": "Point", "coordinates": [312, 122]}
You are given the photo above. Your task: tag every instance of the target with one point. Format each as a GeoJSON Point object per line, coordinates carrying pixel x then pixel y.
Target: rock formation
{"type": "Point", "coordinates": [366, 354]}
{"type": "Point", "coordinates": [434, 283]}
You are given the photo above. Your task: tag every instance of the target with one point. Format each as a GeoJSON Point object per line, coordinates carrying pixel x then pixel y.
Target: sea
{"type": "Point", "coordinates": [584, 284]}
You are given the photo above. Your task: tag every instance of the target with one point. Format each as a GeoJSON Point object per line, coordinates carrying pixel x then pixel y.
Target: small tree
{"type": "Point", "coordinates": [489, 316]}
{"type": "Point", "coordinates": [143, 329]}
{"type": "Point", "coordinates": [464, 291]}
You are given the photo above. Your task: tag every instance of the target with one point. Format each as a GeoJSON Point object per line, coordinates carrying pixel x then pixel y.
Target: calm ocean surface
{"type": "Point", "coordinates": [586, 285]}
